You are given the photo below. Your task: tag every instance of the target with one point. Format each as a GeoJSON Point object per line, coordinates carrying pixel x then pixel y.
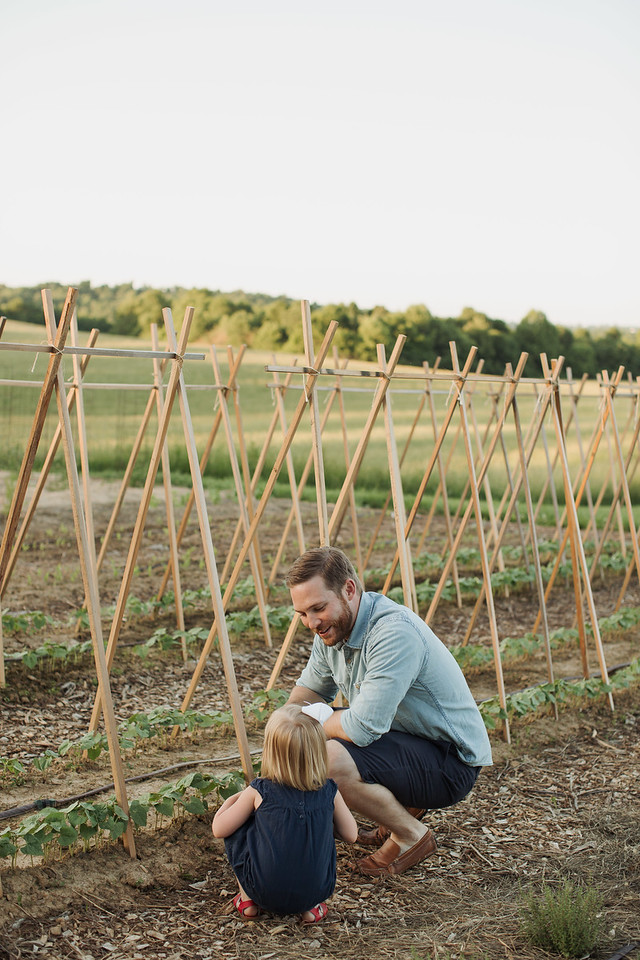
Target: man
{"type": "Point", "coordinates": [412, 738]}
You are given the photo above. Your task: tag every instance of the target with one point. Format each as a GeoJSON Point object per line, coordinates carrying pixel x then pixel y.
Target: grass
{"type": "Point", "coordinates": [113, 418]}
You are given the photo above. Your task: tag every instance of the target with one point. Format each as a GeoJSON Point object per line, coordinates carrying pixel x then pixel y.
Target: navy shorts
{"type": "Point", "coordinates": [427, 774]}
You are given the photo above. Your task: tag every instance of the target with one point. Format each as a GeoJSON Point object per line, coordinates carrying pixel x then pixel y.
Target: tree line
{"type": "Point", "coordinates": [273, 323]}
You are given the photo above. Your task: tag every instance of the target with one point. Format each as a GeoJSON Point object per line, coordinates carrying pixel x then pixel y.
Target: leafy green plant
{"type": "Point", "coordinates": [265, 702]}
{"type": "Point", "coordinates": [11, 771]}
{"type": "Point", "coordinates": [529, 701]}
{"type": "Point", "coordinates": [566, 921]}
{"type": "Point", "coordinates": [26, 622]}
{"type": "Point", "coordinates": [83, 823]}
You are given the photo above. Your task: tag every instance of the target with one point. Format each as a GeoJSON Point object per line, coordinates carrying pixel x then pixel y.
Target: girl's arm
{"type": "Point", "coordinates": [344, 823]}
{"type": "Point", "coordinates": [234, 811]}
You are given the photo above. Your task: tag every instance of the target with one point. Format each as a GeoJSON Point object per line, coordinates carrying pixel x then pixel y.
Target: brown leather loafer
{"type": "Point", "coordinates": [388, 861]}
{"type": "Point", "coordinates": [373, 838]}
{"type": "Point", "coordinates": [377, 836]}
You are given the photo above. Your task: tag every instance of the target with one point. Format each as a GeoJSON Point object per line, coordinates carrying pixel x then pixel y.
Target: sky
{"type": "Point", "coordinates": [456, 153]}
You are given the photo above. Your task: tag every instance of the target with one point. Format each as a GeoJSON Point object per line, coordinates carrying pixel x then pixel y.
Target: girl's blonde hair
{"type": "Point", "coordinates": [295, 749]}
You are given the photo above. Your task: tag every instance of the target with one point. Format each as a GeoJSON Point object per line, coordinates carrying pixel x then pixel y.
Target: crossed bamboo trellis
{"type": "Point", "coordinates": [458, 424]}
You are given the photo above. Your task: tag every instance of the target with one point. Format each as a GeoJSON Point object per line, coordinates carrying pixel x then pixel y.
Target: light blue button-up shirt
{"type": "Point", "coordinates": [397, 675]}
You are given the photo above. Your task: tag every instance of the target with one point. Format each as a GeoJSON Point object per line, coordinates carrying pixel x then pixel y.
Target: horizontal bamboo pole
{"type": "Point", "coordinates": [417, 374]}
{"type": "Point", "coordinates": [98, 351]}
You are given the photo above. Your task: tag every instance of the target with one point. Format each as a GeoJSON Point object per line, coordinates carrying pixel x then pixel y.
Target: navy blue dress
{"type": "Point", "coordinates": [284, 855]}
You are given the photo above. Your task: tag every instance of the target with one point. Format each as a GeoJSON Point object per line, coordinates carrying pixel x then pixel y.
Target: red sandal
{"type": "Point", "coordinates": [319, 913]}
{"type": "Point", "coordinates": [243, 905]}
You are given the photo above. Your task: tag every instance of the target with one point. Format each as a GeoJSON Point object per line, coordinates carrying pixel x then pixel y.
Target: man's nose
{"type": "Point", "coordinates": [314, 621]}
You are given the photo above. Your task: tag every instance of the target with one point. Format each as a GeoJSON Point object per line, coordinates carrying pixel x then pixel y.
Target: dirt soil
{"type": "Point", "coordinates": [561, 801]}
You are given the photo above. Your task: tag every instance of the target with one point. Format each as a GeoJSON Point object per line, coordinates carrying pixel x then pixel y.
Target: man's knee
{"type": "Point", "coordinates": [342, 768]}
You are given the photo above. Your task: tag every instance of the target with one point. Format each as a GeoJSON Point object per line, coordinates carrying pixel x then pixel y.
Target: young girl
{"type": "Point", "coordinates": [279, 831]}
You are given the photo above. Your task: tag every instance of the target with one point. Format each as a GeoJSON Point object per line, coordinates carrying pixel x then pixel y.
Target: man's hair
{"type": "Point", "coordinates": [331, 564]}
{"type": "Point", "coordinates": [295, 749]}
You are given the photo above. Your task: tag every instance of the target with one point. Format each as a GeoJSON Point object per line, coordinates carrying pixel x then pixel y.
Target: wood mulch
{"type": "Point", "coordinates": [561, 802]}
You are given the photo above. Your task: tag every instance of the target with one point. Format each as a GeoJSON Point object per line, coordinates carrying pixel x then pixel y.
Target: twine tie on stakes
{"type": "Point", "coordinates": [538, 404]}
{"type": "Point", "coordinates": [312, 372]}
{"type": "Point", "coordinates": [54, 349]}
{"type": "Point", "coordinates": [452, 387]}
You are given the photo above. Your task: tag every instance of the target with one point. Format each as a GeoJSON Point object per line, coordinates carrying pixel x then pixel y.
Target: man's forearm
{"type": "Point", "coordinates": [333, 727]}
{"type": "Point", "coordinates": [303, 695]}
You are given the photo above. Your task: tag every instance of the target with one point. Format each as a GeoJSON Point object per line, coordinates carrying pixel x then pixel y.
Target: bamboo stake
{"type": "Point", "coordinates": [143, 509]}
{"type": "Point", "coordinates": [13, 516]}
{"type": "Point", "coordinates": [627, 579]}
{"type": "Point", "coordinates": [615, 502]}
{"type": "Point", "coordinates": [577, 546]}
{"type": "Point", "coordinates": [126, 479]}
{"type": "Point", "coordinates": [494, 397]}
{"type": "Point", "coordinates": [534, 543]}
{"type": "Point", "coordinates": [270, 484]}
{"type": "Point", "coordinates": [483, 467]}
{"type": "Point", "coordinates": [522, 481]}
{"type": "Point", "coordinates": [82, 440]}
{"type": "Point", "coordinates": [562, 516]}
{"type": "Point", "coordinates": [304, 476]}
{"type": "Point", "coordinates": [475, 496]}
{"type": "Point", "coordinates": [574, 407]}
{"type": "Point", "coordinates": [550, 480]}
{"type": "Point", "coordinates": [339, 510]}
{"type": "Point", "coordinates": [341, 503]}
{"type": "Point", "coordinates": [233, 373]}
{"type": "Point", "coordinates": [465, 491]}
{"type": "Point", "coordinates": [443, 489]}
{"type": "Point", "coordinates": [293, 484]}
{"type": "Point", "coordinates": [246, 473]}
{"type": "Point", "coordinates": [209, 555]}
{"type": "Point", "coordinates": [242, 503]}
{"type": "Point", "coordinates": [631, 418]}
{"type": "Point", "coordinates": [257, 473]}
{"type": "Point", "coordinates": [493, 528]}
{"type": "Point", "coordinates": [593, 448]}
{"type": "Point", "coordinates": [551, 467]}
{"type": "Point", "coordinates": [316, 433]}
{"type": "Point", "coordinates": [385, 506]}
{"type": "Point", "coordinates": [168, 496]}
{"type": "Point", "coordinates": [360, 566]}
{"type": "Point", "coordinates": [44, 473]}
{"type": "Point", "coordinates": [90, 582]}
{"type": "Point", "coordinates": [513, 490]}
{"type": "Point", "coordinates": [454, 399]}
{"type": "Point", "coordinates": [439, 492]}
{"type": "Point", "coordinates": [618, 509]}
{"type": "Point", "coordinates": [399, 513]}
{"type": "Point", "coordinates": [609, 391]}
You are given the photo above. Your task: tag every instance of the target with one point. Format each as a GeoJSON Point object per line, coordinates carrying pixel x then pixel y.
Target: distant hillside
{"type": "Point", "coordinates": [273, 323]}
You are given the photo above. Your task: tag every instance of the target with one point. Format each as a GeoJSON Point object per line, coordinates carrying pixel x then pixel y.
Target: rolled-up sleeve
{"type": "Point", "coordinates": [390, 670]}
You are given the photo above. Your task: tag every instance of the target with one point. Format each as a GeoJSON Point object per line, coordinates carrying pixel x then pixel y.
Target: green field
{"type": "Point", "coordinates": [113, 418]}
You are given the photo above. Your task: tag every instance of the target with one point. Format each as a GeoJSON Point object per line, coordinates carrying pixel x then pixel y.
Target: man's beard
{"type": "Point", "coordinates": [340, 627]}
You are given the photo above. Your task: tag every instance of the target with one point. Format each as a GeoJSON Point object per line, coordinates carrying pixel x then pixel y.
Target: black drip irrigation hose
{"type": "Point", "coordinates": [43, 802]}
{"type": "Point", "coordinates": [623, 951]}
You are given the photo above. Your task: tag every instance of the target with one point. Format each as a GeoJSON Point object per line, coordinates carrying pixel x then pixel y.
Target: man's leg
{"type": "Point", "coordinates": [373, 800]}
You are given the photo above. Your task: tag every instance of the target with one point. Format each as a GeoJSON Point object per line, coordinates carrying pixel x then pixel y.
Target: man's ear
{"type": "Point", "coordinates": [350, 589]}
